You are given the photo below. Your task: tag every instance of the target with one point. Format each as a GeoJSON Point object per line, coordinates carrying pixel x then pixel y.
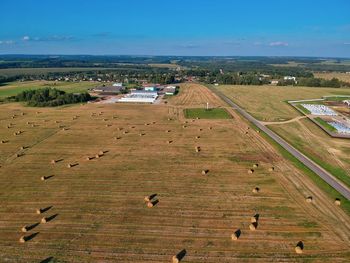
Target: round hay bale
{"type": "Point", "coordinates": [253, 226]}
{"type": "Point", "coordinates": [167, 131]}
{"type": "Point", "coordinates": [97, 156]}
{"type": "Point", "coordinates": [24, 229]}
{"type": "Point", "coordinates": [88, 158]}
{"type": "Point", "coordinates": [200, 129]}
{"type": "Point", "coordinates": [254, 219]}
{"type": "Point", "coordinates": [2, 141]}
{"type": "Point", "coordinates": [141, 134]}
{"type": "Point", "coordinates": [23, 147]}
{"type": "Point", "coordinates": [250, 171]}
{"type": "Point", "coordinates": [257, 131]}
{"type": "Point", "coordinates": [210, 128]}
{"type": "Point", "coordinates": [299, 247]}
{"type": "Point", "coordinates": [204, 172]}
{"type": "Point", "coordinates": [337, 201]}
{"type": "Point", "coordinates": [28, 122]}
{"type": "Point", "coordinates": [53, 161]}
{"type": "Point", "coordinates": [256, 165]}
{"type": "Point", "coordinates": [38, 211]}
{"type": "Point", "coordinates": [22, 239]}
{"type": "Point", "coordinates": [198, 137]}
{"type": "Point", "coordinates": [184, 126]}
{"type": "Point", "coordinates": [69, 165]}
{"type": "Point", "coordinates": [236, 234]}
{"type": "Point", "coordinates": [150, 204]}
{"type": "Point", "coordinates": [175, 259]}
{"type": "Point", "coordinates": [271, 169]}
{"type": "Point", "coordinates": [168, 142]}
{"type": "Point", "coordinates": [18, 155]}
{"type": "Point", "coordinates": [43, 178]}
{"type": "Point", "coordinates": [43, 220]}
{"type": "Point", "coordinates": [101, 152]}
{"type": "Point", "coordinates": [169, 119]}
{"type": "Point", "coordinates": [256, 190]}
{"type": "Point", "coordinates": [125, 132]}
{"type": "Point", "coordinates": [309, 199]}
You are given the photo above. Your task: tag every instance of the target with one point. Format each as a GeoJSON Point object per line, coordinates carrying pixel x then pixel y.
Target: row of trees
{"type": "Point", "coordinates": [315, 82]}
{"type": "Point", "coordinates": [50, 97]}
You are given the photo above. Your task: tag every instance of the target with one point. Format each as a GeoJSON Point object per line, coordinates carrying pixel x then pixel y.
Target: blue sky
{"type": "Point", "coordinates": [176, 27]}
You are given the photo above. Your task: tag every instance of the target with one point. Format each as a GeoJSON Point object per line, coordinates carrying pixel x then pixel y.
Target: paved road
{"type": "Point", "coordinates": [326, 176]}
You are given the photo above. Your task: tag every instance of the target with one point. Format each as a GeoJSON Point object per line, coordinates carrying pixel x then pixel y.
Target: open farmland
{"type": "Point", "coordinates": [14, 88]}
{"type": "Point", "coordinates": [269, 104]}
{"type": "Point", "coordinates": [97, 207]}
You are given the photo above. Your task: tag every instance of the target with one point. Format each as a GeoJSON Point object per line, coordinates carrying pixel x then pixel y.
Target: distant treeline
{"type": "Point", "coordinates": [315, 82]}
{"type": "Point", "coordinates": [49, 97]}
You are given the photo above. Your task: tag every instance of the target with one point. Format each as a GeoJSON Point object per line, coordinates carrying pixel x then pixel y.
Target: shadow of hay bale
{"type": "Point", "coordinates": [70, 165]}
{"type": "Point", "coordinates": [44, 178]}
{"type": "Point", "coordinates": [43, 210]}
{"type": "Point", "coordinates": [30, 227]}
{"type": "Point", "coordinates": [299, 247]}
{"type": "Point", "coordinates": [24, 239]}
{"type": "Point", "coordinates": [236, 234]}
{"type": "Point", "coordinates": [255, 218]}
{"type": "Point", "coordinates": [47, 260]}
{"type": "Point", "coordinates": [179, 256]}
{"type": "Point", "coordinates": [48, 219]}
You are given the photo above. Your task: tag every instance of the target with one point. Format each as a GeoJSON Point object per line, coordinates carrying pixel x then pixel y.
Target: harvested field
{"type": "Point", "coordinates": [99, 208]}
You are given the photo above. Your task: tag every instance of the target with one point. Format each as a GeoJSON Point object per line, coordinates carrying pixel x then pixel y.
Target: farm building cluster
{"type": "Point", "coordinates": [339, 122]}
{"type": "Point", "coordinates": [145, 94]}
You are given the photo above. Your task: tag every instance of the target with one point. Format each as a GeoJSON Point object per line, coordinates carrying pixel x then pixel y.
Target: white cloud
{"type": "Point", "coordinates": [26, 38]}
{"type": "Point", "coordinates": [347, 43]}
{"type": "Point", "coordinates": [279, 44]}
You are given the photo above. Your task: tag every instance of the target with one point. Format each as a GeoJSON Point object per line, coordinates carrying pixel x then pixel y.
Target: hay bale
{"type": "Point", "coordinates": [250, 171]}
{"type": "Point", "coordinates": [150, 197]}
{"type": "Point", "coordinates": [169, 119]}
{"type": "Point", "coordinates": [168, 142]}
{"type": "Point", "coordinates": [38, 211]}
{"type": "Point", "coordinates": [210, 128]}
{"type": "Point", "coordinates": [204, 172]}
{"type": "Point", "coordinates": [256, 190]}
{"type": "Point", "coordinates": [120, 128]}
{"type": "Point", "coordinates": [200, 129]}
{"type": "Point", "coordinates": [142, 134]}
{"type": "Point", "coordinates": [69, 165]}
{"type": "Point", "coordinates": [309, 199]}
{"type": "Point", "coordinates": [184, 126]}
{"type": "Point", "coordinates": [167, 131]}
{"type": "Point", "coordinates": [43, 178]}
{"type": "Point", "coordinates": [198, 149]}
{"type": "Point", "coordinates": [125, 132]}
{"type": "Point", "coordinates": [151, 204]}
{"type": "Point", "coordinates": [236, 234]}
{"type": "Point", "coordinates": [23, 239]}
{"type": "Point", "coordinates": [337, 201]}
{"type": "Point", "coordinates": [101, 153]}
{"type": "Point", "coordinates": [299, 247]}
{"type": "Point", "coordinates": [255, 218]}
{"type": "Point", "coordinates": [97, 156]}
{"type": "Point", "coordinates": [53, 161]}
{"type": "Point", "coordinates": [198, 137]}
{"type": "Point", "coordinates": [256, 165]}
{"type": "Point", "coordinates": [175, 259]}
{"type": "Point", "coordinates": [43, 220]}
{"type": "Point", "coordinates": [117, 138]}
{"type": "Point", "coordinates": [253, 226]}
{"type": "Point", "coordinates": [24, 229]}
{"type": "Point", "coordinates": [271, 169]}
{"type": "Point", "coordinates": [2, 141]}
{"type": "Point", "coordinates": [89, 158]}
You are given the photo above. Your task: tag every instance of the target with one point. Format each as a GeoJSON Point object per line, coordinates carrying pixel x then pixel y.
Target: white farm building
{"type": "Point", "coordinates": [140, 96]}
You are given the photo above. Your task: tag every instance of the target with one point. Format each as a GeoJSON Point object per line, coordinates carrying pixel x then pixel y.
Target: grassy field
{"type": "Point", "coordinates": [268, 103]}
{"type": "Point", "coordinates": [325, 124]}
{"type": "Point", "coordinates": [216, 113]}
{"type": "Point", "coordinates": [341, 76]}
{"type": "Point", "coordinates": [13, 88]}
{"type": "Point", "coordinates": [97, 207]}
